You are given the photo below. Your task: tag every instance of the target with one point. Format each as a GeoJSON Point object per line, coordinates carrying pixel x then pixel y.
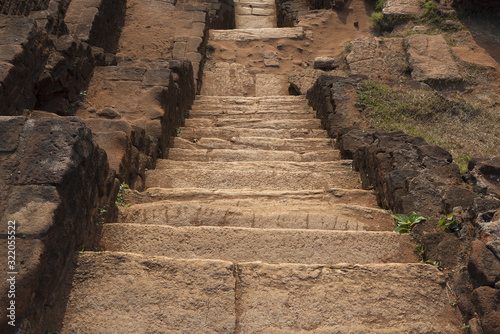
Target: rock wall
{"type": "Point", "coordinates": [477, 5]}
{"type": "Point", "coordinates": [22, 7]}
{"type": "Point", "coordinates": [54, 179]}
{"type": "Point", "coordinates": [97, 23]}
{"type": "Point", "coordinates": [24, 51]}
{"type": "Point", "coordinates": [408, 174]}
{"type": "Point", "coordinates": [138, 130]}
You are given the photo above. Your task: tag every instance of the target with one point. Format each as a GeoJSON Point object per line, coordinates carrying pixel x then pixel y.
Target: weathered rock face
{"type": "Point", "coordinates": [430, 59]}
{"type": "Point", "coordinates": [136, 131]}
{"type": "Point", "coordinates": [334, 100]}
{"type": "Point", "coordinates": [485, 175]}
{"type": "Point", "coordinates": [22, 7]}
{"type": "Point", "coordinates": [378, 58]}
{"type": "Point", "coordinates": [96, 22]}
{"type": "Point", "coordinates": [54, 179]}
{"type": "Point", "coordinates": [401, 7]}
{"type": "Point", "coordinates": [24, 51]}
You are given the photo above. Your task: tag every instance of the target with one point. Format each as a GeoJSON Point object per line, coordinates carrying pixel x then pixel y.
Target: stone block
{"type": "Point", "coordinates": [179, 50]}
{"type": "Point", "coordinates": [10, 129]}
{"type": "Point", "coordinates": [324, 63]}
{"type": "Point", "coordinates": [430, 59]}
{"type": "Point", "coordinates": [483, 266]}
{"type": "Point", "coordinates": [401, 7]}
{"type": "Point", "coordinates": [157, 77]}
{"type": "Point", "coordinates": [123, 73]}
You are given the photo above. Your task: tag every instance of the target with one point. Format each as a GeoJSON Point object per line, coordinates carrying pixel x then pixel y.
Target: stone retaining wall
{"type": "Point", "coordinates": [97, 23]}
{"type": "Point", "coordinates": [54, 179]}
{"type": "Point", "coordinates": [22, 7]}
{"type": "Point", "coordinates": [408, 174]}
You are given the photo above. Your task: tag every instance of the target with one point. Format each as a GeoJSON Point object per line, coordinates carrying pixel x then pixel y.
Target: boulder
{"type": "Point", "coordinates": [430, 59]}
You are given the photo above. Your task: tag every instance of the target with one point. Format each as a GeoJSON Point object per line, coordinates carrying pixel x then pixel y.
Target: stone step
{"type": "Point", "coordinates": [163, 165]}
{"type": "Point", "coordinates": [255, 123]}
{"type": "Point", "coordinates": [181, 154]}
{"type": "Point", "coordinates": [229, 133]}
{"type": "Point", "coordinates": [248, 197]}
{"type": "Point", "coordinates": [116, 292]}
{"type": "Point", "coordinates": [255, 244]}
{"type": "Point", "coordinates": [260, 143]}
{"type": "Point", "coordinates": [259, 214]}
{"type": "Point", "coordinates": [257, 34]}
{"type": "Point", "coordinates": [214, 114]}
{"type": "Point", "coordinates": [279, 99]}
{"type": "Point", "coordinates": [250, 179]}
{"type": "Point", "coordinates": [344, 299]}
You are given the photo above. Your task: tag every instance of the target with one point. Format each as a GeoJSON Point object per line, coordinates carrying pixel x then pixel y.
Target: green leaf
{"type": "Point", "coordinates": [400, 217]}
{"type": "Point", "coordinates": [402, 229]}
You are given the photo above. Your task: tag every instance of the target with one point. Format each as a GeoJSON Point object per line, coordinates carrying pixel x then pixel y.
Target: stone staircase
{"type": "Point", "coordinates": [255, 225]}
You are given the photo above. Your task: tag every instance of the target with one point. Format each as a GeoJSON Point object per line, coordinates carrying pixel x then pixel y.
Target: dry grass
{"type": "Point", "coordinates": [464, 128]}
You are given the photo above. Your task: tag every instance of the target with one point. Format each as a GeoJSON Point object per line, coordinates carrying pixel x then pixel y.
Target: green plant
{"type": "Point", "coordinates": [82, 249]}
{"type": "Point", "coordinates": [433, 262]}
{"type": "Point", "coordinates": [466, 328]}
{"type": "Point", "coordinates": [405, 223]}
{"type": "Point", "coordinates": [82, 95]}
{"type": "Point", "coordinates": [122, 193]}
{"type": "Point", "coordinates": [453, 303]}
{"type": "Point", "coordinates": [101, 212]}
{"type": "Point", "coordinates": [178, 131]}
{"type": "Point", "coordinates": [451, 225]}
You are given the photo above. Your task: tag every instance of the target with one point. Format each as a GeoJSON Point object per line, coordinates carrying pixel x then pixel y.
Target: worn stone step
{"type": "Point", "coordinates": [214, 114]}
{"type": "Point", "coordinates": [344, 299]}
{"type": "Point", "coordinates": [255, 123]}
{"type": "Point", "coordinates": [260, 143]}
{"type": "Point", "coordinates": [257, 34]}
{"type": "Point", "coordinates": [248, 197]}
{"type": "Point", "coordinates": [228, 133]}
{"type": "Point", "coordinates": [254, 244]}
{"type": "Point", "coordinates": [115, 292]}
{"type": "Point", "coordinates": [181, 154]}
{"type": "Point", "coordinates": [279, 99]}
{"type": "Point", "coordinates": [259, 214]}
{"type": "Point", "coordinates": [163, 165]}
{"type": "Point", "coordinates": [250, 179]}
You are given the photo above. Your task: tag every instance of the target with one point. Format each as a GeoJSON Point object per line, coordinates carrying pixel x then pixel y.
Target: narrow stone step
{"type": "Point", "coordinates": [254, 244]}
{"type": "Point", "coordinates": [258, 214]}
{"type": "Point", "coordinates": [248, 197]}
{"type": "Point", "coordinates": [214, 114]}
{"type": "Point", "coordinates": [163, 165]}
{"type": "Point", "coordinates": [279, 99]}
{"type": "Point", "coordinates": [181, 154]}
{"type": "Point", "coordinates": [129, 293]}
{"type": "Point", "coordinates": [255, 123]}
{"type": "Point", "coordinates": [250, 179]}
{"type": "Point", "coordinates": [228, 133]}
{"type": "Point", "coordinates": [344, 299]}
{"type": "Point", "coordinates": [259, 143]}
{"type": "Point", "coordinates": [257, 34]}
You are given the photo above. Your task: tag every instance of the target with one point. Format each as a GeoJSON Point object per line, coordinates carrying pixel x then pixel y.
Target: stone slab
{"type": "Point", "coordinates": [387, 298]}
{"type": "Point", "coordinates": [126, 293]}
{"type": "Point", "coordinates": [257, 34]}
{"type": "Point", "coordinates": [250, 155]}
{"type": "Point", "coordinates": [430, 59]}
{"type": "Point", "coordinates": [254, 244]}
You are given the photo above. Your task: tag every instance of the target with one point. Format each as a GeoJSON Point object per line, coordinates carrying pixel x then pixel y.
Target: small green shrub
{"type": "Point", "coordinates": [451, 225]}
{"type": "Point", "coordinates": [405, 223]}
{"type": "Point", "coordinates": [122, 193]}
